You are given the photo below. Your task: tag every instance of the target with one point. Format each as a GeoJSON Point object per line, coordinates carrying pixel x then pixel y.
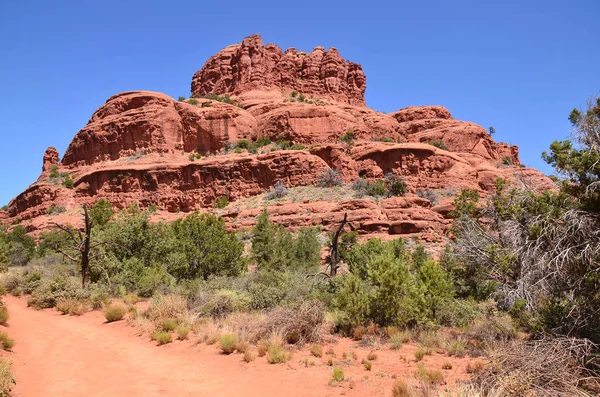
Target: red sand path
{"type": "Point", "coordinates": [63, 356]}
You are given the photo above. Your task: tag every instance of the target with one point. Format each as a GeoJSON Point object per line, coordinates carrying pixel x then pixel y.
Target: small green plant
{"type": "Point", "coordinates": [162, 337]}
{"type": "Point", "coordinates": [227, 343]}
{"type": "Point", "coordinates": [297, 146]}
{"type": "Point", "coordinates": [348, 137]}
{"type": "Point", "coordinates": [181, 98]}
{"type": "Point", "coordinates": [55, 209]}
{"type": "Point", "coordinates": [439, 144]}
{"type": "Point", "coordinates": [316, 350]}
{"type": "Point", "coordinates": [114, 312]}
{"type": "Point", "coordinates": [68, 182]}
{"type": "Point", "coordinates": [294, 94]}
{"type": "Point", "coordinates": [301, 97]}
{"type": "Point", "coordinates": [169, 324]}
{"type": "Point", "coordinates": [6, 342]}
{"type": "Point", "coordinates": [54, 172]}
{"type": "Point", "coordinates": [368, 365]}
{"type": "Point", "coordinates": [221, 202]}
{"type": "Point", "coordinates": [338, 374]}
{"type": "Point", "coordinates": [193, 101]}
{"type": "Point", "coordinates": [420, 353]}
{"type": "Point", "coordinates": [277, 355]}
{"type": "Point", "coordinates": [183, 332]}
{"type": "Point", "coordinates": [506, 160]}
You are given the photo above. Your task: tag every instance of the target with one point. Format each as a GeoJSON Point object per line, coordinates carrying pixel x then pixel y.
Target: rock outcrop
{"type": "Point", "coordinates": [253, 66]}
{"type": "Point", "coordinates": [180, 156]}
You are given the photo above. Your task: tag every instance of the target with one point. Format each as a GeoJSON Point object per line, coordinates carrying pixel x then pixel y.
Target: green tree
{"type": "Point", "coordinates": [207, 248]}
{"type": "Point", "coordinates": [436, 287]}
{"type": "Point", "coordinates": [101, 212]}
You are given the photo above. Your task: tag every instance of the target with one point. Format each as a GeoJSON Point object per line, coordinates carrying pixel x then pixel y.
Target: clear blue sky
{"type": "Point", "coordinates": [519, 66]}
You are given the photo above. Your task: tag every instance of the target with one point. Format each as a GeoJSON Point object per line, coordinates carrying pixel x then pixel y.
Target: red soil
{"type": "Point", "coordinates": [57, 355]}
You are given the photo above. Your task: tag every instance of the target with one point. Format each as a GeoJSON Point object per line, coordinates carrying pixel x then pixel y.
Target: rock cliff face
{"type": "Point", "coordinates": [179, 156]}
{"type": "Point", "coordinates": [253, 66]}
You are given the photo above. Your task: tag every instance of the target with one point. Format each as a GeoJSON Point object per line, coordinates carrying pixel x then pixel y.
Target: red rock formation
{"type": "Point", "coordinates": [136, 148]}
{"type": "Point", "coordinates": [253, 66]}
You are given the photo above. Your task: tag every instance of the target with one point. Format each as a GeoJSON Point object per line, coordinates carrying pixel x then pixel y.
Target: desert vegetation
{"type": "Point", "coordinates": [517, 285]}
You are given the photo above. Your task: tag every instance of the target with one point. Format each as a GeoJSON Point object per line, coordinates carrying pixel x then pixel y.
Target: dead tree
{"type": "Point", "coordinates": [82, 246]}
{"type": "Point", "coordinates": [334, 256]}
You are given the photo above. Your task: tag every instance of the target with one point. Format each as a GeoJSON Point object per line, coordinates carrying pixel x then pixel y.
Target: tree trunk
{"type": "Point", "coordinates": [333, 249]}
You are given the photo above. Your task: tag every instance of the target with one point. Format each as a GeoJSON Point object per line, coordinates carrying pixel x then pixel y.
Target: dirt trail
{"type": "Point", "coordinates": [65, 356]}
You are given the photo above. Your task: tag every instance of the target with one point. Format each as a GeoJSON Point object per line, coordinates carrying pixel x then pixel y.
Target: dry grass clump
{"type": "Point", "coordinates": [316, 350]}
{"type": "Point", "coordinates": [165, 307]}
{"type": "Point", "coordinates": [6, 378]}
{"type": "Point", "coordinates": [302, 323]}
{"type": "Point", "coordinates": [275, 351]}
{"type": "Point", "coordinates": [262, 349]}
{"type": "Point", "coordinates": [548, 367]}
{"type": "Point", "coordinates": [372, 356]}
{"type": "Point", "coordinates": [242, 347]}
{"type": "Point", "coordinates": [249, 356]}
{"type": "Point", "coordinates": [5, 342]}
{"type": "Point", "coordinates": [71, 306]}
{"type": "Point", "coordinates": [367, 364]}
{"type": "Point", "coordinates": [131, 299]}
{"type": "Point", "coordinates": [208, 332]}
{"type": "Point", "coordinates": [430, 376]}
{"type": "Point", "coordinates": [3, 313]}
{"type": "Point", "coordinates": [421, 352]}
{"type": "Point", "coordinates": [114, 312]}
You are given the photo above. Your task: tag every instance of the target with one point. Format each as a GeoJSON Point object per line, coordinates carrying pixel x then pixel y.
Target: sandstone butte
{"type": "Point", "coordinates": [148, 148]}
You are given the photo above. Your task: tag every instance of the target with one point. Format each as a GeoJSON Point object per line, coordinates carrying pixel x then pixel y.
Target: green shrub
{"type": "Point", "coordinates": [193, 101]}
{"type": "Point", "coordinates": [101, 212]}
{"type": "Point", "coordinates": [227, 343]}
{"type": "Point", "coordinates": [221, 202]}
{"type": "Point", "coordinates": [348, 137]}
{"type": "Point", "coordinates": [162, 337]}
{"type": "Point", "coordinates": [376, 188]}
{"type": "Point", "coordinates": [368, 365]}
{"type": "Point", "coordinates": [46, 291]}
{"type": "Point", "coordinates": [6, 342]}
{"type": "Point", "coordinates": [277, 355]}
{"type": "Point", "coordinates": [55, 209]}
{"type": "Point", "coordinates": [294, 94]}
{"type": "Point", "coordinates": [338, 374]}
{"type": "Point", "coordinates": [114, 312]}
{"type": "Point", "coordinates": [297, 146]}
{"type": "Point", "coordinates": [181, 98]}
{"type": "Point", "coordinates": [439, 144]}
{"type": "Point", "coordinates": [225, 302]}
{"type": "Point", "coordinates": [169, 324]}
{"type": "Point", "coordinates": [54, 171]}
{"type": "Point", "coordinates": [68, 182]}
